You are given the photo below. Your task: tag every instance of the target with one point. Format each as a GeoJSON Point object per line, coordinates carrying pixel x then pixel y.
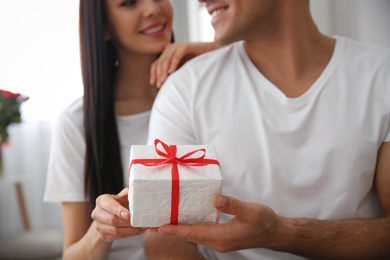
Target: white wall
{"type": "Point", "coordinates": [39, 54]}
{"type": "Point", "coordinates": [323, 15]}
{"type": "Point", "coordinates": [364, 20]}
{"type": "Point", "coordinates": [39, 58]}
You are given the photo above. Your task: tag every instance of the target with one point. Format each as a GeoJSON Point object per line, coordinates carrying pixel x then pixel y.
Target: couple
{"type": "Point", "coordinates": [300, 122]}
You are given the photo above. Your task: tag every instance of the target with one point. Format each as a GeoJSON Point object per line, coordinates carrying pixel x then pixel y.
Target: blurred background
{"type": "Point", "coordinates": [39, 58]}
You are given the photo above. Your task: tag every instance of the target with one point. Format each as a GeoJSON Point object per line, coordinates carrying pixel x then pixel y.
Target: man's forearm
{"type": "Point", "coordinates": [349, 239]}
{"type": "Point", "coordinates": [160, 246]}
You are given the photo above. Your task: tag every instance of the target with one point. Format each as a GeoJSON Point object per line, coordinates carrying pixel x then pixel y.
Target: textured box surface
{"type": "Point", "coordinates": [150, 189]}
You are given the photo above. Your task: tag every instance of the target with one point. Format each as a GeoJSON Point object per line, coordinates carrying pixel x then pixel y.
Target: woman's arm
{"type": "Point", "coordinates": [81, 239]}
{"type": "Point", "coordinates": [90, 236]}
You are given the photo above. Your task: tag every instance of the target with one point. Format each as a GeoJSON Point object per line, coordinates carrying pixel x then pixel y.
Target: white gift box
{"type": "Point", "coordinates": [150, 188]}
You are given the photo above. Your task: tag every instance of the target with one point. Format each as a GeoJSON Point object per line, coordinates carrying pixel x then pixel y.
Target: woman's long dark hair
{"type": "Point", "coordinates": [103, 171]}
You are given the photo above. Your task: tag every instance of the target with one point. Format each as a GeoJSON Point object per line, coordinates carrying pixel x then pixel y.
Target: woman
{"type": "Point", "coordinates": [120, 40]}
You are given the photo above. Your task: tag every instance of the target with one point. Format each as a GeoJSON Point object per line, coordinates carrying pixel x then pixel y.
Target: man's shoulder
{"type": "Point", "coordinates": [216, 57]}
{"type": "Point", "coordinates": [365, 50]}
{"type": "Point", "coordinates": [365, 64]}
{"type": "Point", "coordinates": [363, 60]}
{"type": "Point", "coordinates": [209, 64]}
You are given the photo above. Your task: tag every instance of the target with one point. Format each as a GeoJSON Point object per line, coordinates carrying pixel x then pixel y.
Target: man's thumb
{"type": "Point", "coordinates": [229, 205]}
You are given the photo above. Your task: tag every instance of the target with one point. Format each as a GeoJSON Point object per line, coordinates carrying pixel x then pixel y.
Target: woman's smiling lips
{"type": "Point", "coordinates": [154, 30]}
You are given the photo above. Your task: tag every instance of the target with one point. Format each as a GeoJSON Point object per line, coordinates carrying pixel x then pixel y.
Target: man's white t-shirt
{"type": "Point", "coordinates": [65, 180]}
{"type": "Point", "coordinates": [313, 156]}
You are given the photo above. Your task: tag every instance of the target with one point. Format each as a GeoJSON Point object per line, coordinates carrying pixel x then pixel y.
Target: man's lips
{"type": "Point", "coordinates": [216, 10]}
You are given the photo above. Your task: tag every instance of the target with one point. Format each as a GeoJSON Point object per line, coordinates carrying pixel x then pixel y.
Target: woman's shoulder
{"type": "Point", "coordinates": [72, 116]}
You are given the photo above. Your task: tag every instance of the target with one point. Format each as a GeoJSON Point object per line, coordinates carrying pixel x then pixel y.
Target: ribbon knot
{"type": "Point", "coordinates": [170, 157]}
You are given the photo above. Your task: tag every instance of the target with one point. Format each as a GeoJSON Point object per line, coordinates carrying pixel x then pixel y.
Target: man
{"type": "Point", "coordinates": [300, 122]}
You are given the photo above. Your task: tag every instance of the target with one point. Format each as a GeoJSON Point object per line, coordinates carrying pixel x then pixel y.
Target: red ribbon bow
{"type": "Point", "coordinates": [170, 158]}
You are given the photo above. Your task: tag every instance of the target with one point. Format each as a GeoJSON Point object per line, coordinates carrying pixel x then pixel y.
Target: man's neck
{"type": "Point", "coordinates": [293, 56]}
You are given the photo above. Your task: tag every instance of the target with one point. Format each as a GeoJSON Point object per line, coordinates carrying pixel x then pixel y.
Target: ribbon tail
{"type": "Point", "coordinates": [175, 194]}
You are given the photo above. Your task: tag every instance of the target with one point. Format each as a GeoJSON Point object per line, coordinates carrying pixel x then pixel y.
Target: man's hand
{"type": "Point", "coordinates": [252, 226]}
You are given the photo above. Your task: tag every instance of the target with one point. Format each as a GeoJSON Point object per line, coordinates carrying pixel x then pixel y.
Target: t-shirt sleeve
{"type": "Point", "coordinates": [387, 138]}
{"type": "Point", "coordinates": [65, 177]}
{"type": "Point", "coordinates": [171, 117]}
{"type": "Point", "coordinates": [387, 101]}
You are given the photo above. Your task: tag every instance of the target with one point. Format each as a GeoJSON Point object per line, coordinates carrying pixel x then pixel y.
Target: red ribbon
{"type": "Point", "coordinates": [170, 158]}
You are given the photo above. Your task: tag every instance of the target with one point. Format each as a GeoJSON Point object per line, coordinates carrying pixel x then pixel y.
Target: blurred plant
{"type": "Point", "coordinates": [9, 112]}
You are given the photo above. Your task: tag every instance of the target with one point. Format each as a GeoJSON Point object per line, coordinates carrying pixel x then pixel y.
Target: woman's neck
{"type": "Point", "coordinates": [133, 92]}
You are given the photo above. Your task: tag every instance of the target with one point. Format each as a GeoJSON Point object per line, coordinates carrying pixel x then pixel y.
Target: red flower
{"type": "Point", "coordinates": [9, 111]}
{"type": "Point", "coordinates": [9, 95]}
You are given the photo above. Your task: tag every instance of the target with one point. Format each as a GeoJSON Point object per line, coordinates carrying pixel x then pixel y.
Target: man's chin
{"type": "Point", "coordinates": [225, 40]}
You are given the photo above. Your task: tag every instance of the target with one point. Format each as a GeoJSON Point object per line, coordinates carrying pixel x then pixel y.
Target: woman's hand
{"type": "Point", "coordinates": [174, 56]}
{"type": "Point", "coordinates": [112, 217]}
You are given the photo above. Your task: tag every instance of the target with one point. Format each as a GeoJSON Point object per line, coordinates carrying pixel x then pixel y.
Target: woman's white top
{"type": "Point", "coordinates": [65, 179]}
